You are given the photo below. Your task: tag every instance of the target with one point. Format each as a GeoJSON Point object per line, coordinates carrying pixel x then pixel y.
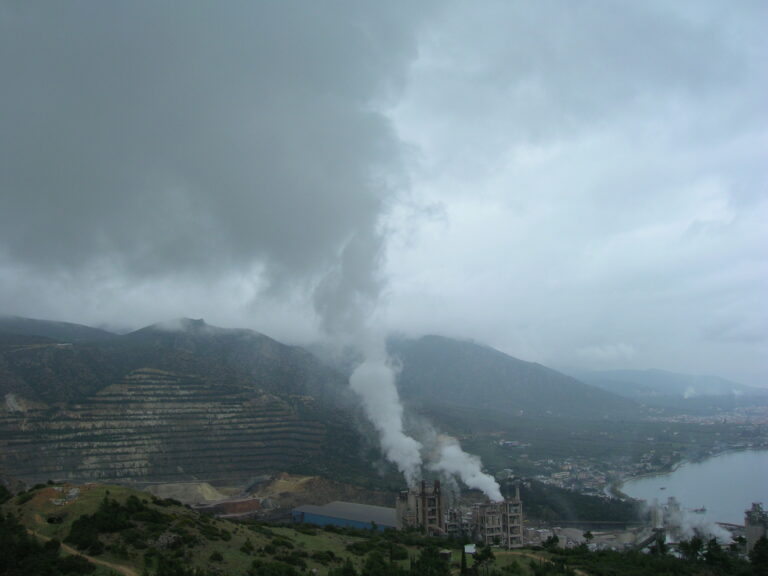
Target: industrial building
{"type": "Point", "coordinates": [346, 514]}
{"type": "Point", "coordinates": [499, 523]}
{"type": "Point", "coordinates": [755, 524]}
{"type": "Point", "coordinates": [422, 508]}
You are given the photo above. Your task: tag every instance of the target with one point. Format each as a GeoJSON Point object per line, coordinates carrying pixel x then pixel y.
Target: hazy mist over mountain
{"type": "Point", "coordinates": [574, 184]}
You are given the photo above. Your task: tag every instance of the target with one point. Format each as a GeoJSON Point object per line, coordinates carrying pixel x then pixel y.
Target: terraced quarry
{"type": "Point", "coordinates": [200, 404]}
{"type": "Point", "coordinates": [163, 426]}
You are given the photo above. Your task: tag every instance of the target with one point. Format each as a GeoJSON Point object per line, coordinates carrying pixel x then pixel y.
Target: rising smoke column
{"type": "Point", "coordinates": [345, 301]}
{"type": "Point", "coordinates": [374, 382]}
{"type": "Point", "coordinates": [453, 461]}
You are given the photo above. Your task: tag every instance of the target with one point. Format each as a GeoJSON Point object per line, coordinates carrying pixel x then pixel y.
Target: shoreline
{"type": "Point", "coordinates": [615, 488]}
{"type": "Point", "coordinates": [719, 513]}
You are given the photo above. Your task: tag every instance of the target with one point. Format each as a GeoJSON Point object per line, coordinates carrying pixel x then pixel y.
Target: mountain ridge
{"type": "Point", "coordinates": [56, 330]}
{"type": "Point", "coordinates": [479, 376]}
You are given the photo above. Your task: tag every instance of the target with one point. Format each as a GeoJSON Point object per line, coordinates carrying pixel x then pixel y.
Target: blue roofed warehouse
{"type": "Point", "coordinates": [346, 514]}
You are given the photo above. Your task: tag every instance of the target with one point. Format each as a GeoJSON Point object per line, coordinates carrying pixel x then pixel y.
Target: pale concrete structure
{"type": "Point", "coordinates": [755, 524]}
{"type": "Point", "coordinates": [422, 508]}
{"type": "Point", "coordinates": [499, 523]}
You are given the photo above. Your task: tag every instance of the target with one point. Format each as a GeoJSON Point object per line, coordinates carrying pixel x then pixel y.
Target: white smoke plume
{"type": "Point", "coordinates": [374, 382]}
{"type": "Point", "coordinates": [692, 525]}
{"type": "Point", "coordinates": [452, 460]}
{"type": "Point", "coordinates": [345, 301]}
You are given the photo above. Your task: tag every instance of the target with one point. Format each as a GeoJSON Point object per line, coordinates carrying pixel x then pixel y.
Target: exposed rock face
{"type": "Point", "coordinates": [162, 405]}
{"type": "Point", "coordinates": [161, 426]}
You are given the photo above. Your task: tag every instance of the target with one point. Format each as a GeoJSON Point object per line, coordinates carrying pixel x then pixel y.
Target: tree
{"type": "Point", "coordinates": [714, 555]}
{"type": "Point", "coordinates": [376, 565]}
{"type": "Point", "coordinates": [348, 569]}
{"type": "Point", "coordinates": [483, 559]}
{"type": "Point", "coordinates": [430, 563]}
{"type": "Point", "coordinates": [759, 557]}
{"type": "Point", "coordinates": [692, 549]}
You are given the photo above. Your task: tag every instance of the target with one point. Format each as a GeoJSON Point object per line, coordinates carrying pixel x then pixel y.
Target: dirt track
{"type": "Point", "coordinates": [125, 570]}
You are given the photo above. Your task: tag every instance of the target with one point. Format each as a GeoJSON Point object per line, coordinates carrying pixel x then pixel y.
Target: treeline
{"type": "Point", "coordinates": [553, 504]}
{"type": "Point", "coordinates": [696, 558]}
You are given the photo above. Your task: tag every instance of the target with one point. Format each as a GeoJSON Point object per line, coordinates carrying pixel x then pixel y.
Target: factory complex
{"type": "Point", "coordinates": [422, 508]}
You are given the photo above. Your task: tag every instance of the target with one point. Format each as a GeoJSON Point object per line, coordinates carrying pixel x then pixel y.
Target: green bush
{"type": "Point", "coordinates": [24, 497]}
{"type": "Point", "coordinates": [216, 557]}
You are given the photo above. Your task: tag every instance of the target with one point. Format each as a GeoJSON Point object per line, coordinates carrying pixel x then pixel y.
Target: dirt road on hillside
{"type": "Point", "coordinates": [124, 570]}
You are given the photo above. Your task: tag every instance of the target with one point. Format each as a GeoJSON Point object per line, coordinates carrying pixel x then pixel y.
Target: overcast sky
{"type": "Point", "coordinates": [582, 184]}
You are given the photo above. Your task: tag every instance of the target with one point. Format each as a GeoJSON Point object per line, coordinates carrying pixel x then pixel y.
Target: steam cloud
{"type": "Point", "coordinates": [452, 460]}
{"type": "Point", "coordinates": [345, 301]}
{"type": "Point", "coordinates": [374, 381]}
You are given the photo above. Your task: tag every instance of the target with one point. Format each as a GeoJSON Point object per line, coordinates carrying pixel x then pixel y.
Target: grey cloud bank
{"type": "Point", "coordinates": [151, 140]}
{"type": "Point", "coordinates": [581, 184]}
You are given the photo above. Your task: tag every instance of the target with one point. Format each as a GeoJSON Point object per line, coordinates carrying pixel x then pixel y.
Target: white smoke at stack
{"type": "Point", "coordinates": [345, 301]}
{"type": "Point", "coordinates": [374, 382]}
{"type": "Point", "coordinates": [452, 460]}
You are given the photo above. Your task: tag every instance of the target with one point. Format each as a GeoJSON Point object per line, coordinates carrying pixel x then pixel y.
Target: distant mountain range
{"type": "Point", "coordinates": [185, 400]}
{"type": "Point", "coordinates": [670, 389]}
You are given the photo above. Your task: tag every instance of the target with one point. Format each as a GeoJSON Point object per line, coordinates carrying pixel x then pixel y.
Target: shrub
{"type": "Point", "coordinates": [216, 557]}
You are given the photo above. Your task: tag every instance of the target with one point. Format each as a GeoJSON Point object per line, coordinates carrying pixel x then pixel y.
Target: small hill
{"type": "Point", "coordinates": [443, 371]}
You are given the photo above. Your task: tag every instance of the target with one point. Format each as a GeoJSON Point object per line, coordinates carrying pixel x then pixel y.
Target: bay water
{"type": "Point", "coordinates": [725, 485]}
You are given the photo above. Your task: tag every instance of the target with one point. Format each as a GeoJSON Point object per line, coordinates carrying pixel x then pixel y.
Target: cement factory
{"type": "Point", "coordinates": [422, 508]}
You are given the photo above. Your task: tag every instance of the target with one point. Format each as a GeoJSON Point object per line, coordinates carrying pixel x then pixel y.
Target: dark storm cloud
{"type": "Point", "coordinates": [577, 183]}
{"type": "Point", "coordinates": [151, 139]}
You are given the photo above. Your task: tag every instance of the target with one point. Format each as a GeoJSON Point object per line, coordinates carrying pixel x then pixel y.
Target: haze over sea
{"type": "Point", "coordinates": [726, 485]}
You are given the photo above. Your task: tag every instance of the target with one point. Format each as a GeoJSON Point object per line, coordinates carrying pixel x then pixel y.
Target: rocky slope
{"type": "Point", "coordinates": [164, 404]}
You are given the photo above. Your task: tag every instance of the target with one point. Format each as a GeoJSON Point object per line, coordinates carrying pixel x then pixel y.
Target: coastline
{"type": "Point", "coordinates": [699, 488]}
{"type": "Point", "coordinates": [615, 488]}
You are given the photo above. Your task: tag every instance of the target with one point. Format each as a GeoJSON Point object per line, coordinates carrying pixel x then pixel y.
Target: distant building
{"type": "Point", "coordinates": [755, 524]}
{"type": "Point", "coordinates": [499, 523]}
{"type": "Point", "coordinates": [346, 514]}
{"type": "Point", "coordinates": [422, 508]}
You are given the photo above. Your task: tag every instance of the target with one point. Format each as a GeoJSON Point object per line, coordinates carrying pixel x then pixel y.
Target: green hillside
{"type": "Point", "coordinates": [64, 529]}
{"type": "Point", "coordinates": [443, 371]}
{"type": "Point", "coordinates": [132, 530]}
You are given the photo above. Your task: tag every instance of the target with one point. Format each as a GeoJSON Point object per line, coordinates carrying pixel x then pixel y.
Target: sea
{"type": "Point", "coordinates": [718, 489]}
